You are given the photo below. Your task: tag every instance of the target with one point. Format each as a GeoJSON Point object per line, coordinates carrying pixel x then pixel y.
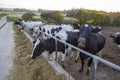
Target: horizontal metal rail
{"type": "Point", "coordinates": [88, 54]}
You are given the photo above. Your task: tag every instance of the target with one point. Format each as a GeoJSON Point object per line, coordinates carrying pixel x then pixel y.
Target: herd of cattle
{"type": "Point", "coordinates": [85, 36]}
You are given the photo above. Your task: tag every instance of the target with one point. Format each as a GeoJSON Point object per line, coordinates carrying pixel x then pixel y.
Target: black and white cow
{"type": "Point", "coordinates": [50, 30]}
{"type": "Point", "coordinates": [49, 44]}
{"type": "Point", "coordinates": [90, 42]}
{"type": "Point", "coordinates": [18, 21]}
{"type": "Point", "coordinates": [30, 25]}
{"type": "Point", "coordinates": [116, 38]}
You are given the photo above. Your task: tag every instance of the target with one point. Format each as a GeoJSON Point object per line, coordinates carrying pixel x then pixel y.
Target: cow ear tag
{"type": "Point", "coordinates": [86, 25]}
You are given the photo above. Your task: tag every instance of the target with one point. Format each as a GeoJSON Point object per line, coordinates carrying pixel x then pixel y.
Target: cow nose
{"type": "Point", "coordinates": [31, 56]}
{"type": "Point", "coordinates": [82, 42]}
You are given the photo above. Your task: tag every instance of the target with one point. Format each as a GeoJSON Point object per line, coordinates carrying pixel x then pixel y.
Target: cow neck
{"type": "Point", "coordinates": [44, 43]}
{"type": "Point", "coordinates": [89, 36]}
{"type": "Point", "coordinates": [48, 43]}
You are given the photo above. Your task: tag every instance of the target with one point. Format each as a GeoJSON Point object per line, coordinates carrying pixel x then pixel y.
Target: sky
{"type": "Point", "coordinates": [104, 5]}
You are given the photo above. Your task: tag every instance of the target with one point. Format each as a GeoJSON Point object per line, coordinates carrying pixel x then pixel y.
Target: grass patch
{"type": "Point", "coordinates": [70, 20]}
{"type": "Point", "coordinates": [26, 69]}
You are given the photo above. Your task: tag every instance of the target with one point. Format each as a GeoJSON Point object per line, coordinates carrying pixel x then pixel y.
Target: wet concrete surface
{"type": "Point", "coordinates": [6, 48]}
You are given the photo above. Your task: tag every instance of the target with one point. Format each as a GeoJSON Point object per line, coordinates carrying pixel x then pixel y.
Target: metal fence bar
{"type": "Point", "coordinates": [56, 58]}
{"type": "Point", "coordinates": [94, 69]}
{"type": "Point", "coordinates": [3, 21]}
{"type": "Point", "coordinates": [114, 66]}
{"type": "Point", "coordinates": [69, 62]}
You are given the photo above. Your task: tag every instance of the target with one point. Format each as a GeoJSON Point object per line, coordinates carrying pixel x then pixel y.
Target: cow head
{"type": "Point", "coordinates": [38, 48]}
{"type": "Point", "coordinates": [85, 30]}
{"type": "Point", "coordinates": [96, 29]}
{"type": "Point", "coordinates": [76, 25]}
{"type": "Point", "coordinates": [116, 38]}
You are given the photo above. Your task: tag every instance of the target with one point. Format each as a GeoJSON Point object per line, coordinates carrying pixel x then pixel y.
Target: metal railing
{"type": "Point", "coordinates": [3, 21]}
{"type": "Point", "coordinates": [95, 58]}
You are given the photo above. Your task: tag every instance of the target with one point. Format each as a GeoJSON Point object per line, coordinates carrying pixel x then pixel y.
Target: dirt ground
{"type": "Point", "coordinates": [110, 53]}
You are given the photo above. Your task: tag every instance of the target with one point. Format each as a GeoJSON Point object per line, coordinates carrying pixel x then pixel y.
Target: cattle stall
{"type": "Point", "coordinates": [96, 58]}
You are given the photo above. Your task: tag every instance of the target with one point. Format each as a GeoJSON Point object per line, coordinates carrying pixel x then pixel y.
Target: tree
{"type": "Point", "coordinates": [82, 16]}
{"type": "Point", "coordinates": [116, 21]}
{"type": "Point", "coordinates": [54, 16]}
{"type": "Point", "coordinates": [46, 16]}
{"type": "Point", "coordinates": [28, 16]}
{"type": "Point", "coordinates": [94, 17]}
{"type": "Point", "coordinates": [71, 13]}
{"type": "Point", "coordinates": [58, 18]}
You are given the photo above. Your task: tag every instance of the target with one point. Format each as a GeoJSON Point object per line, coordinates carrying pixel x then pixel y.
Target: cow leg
{"type": "Point", "coordinates": [89, 64]}
{"type": "Point", "coordinates": [99, 54]}
{"type": "Point", "coordinates": [76, 59]}
{"type": "Point", "coordinates": [69, 52]}
{"type": "Point", "coordinates": [63, 59]}
{"type": "Point", "coordinates": [52, 56]}
{"type": "Point", "coordinates": [66, 52]}
{"type": "Point", "coordinates": [82, 63]}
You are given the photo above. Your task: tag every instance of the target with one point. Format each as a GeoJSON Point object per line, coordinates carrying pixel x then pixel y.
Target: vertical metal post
{"type": "Point", "coordinates": [55, 49]}
{"type": "Point", "coordinates": [69, 61]}
{"type": "Point", "coordinates": [94, 69]}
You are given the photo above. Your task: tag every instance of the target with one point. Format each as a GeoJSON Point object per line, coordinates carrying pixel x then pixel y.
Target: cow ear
{"type": "Point", "coordinates": [111, 35]}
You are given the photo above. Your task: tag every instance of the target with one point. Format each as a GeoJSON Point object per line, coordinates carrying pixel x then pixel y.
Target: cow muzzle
{"type": "Point", "coordinates": [118, 46]}
{"type": "Point", "coordinates": [32, 57]}
{"type": "Point", "coordinates": [81, 42]}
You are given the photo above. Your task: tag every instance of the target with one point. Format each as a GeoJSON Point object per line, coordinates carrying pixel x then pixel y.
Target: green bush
{"type": "Point", "coordinates": [54, 16]}
{"type": "Point", "coordinates": [28, 16]}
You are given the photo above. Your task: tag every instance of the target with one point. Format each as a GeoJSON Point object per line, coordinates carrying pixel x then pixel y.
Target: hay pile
{"type": "Point", "coordinates": [26, 69]}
